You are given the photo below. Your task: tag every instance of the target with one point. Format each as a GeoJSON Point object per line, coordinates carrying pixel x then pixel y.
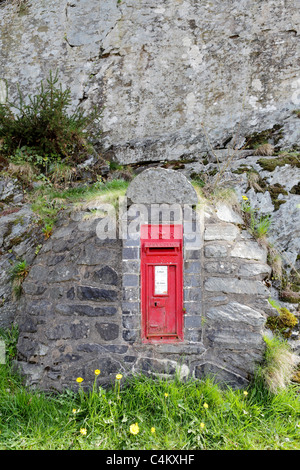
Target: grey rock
{"type": "Point", "coordinates": [87, 310]}
{"type": "Point", "coordinates": [106, 275]}
{"type": "Point", "coordinates": [214, 251]}
{"type": "Point", "coordinates": [235, 315]}
{"type": "Point", "coordinates": [161, 186]}
{"type": "Point", "coordinates": [255, 269]}
{"type": "Point", "coordinates": [221, 375]}
{"type": "Point", "coordinates": [95, 294]}
{"type": "Point", "coordinates": [227, 214]}
{"type": "Point", "coordinates": [235, 286]}
{"type": "Point", "coordinates": [249, 250]}
{"type": "Point", "coordinates": [10, 191]}
{"type": "Point", "coordinates": [226, 232]}
{"type": "Point", "coordinates": [107, 331]}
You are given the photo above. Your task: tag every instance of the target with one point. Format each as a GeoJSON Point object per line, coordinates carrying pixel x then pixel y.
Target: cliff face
{"type": "Point", "coordinates": [174, 77]}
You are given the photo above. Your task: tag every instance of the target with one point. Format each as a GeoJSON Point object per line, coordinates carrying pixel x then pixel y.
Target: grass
{"type": "Point", "coordinates": [170, 414]}
{"type": "Point", "coordinates": [47, 202]}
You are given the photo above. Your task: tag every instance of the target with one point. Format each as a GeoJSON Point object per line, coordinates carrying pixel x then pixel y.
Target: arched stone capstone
{"type": "Point", "coordinates": [161, 186]}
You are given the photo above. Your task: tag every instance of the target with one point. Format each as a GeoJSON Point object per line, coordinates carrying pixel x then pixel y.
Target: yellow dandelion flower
{"type": "Point", "coordinates": [119, 376]}
{"type": "Point", "coordinates": [74, 410]}
{"type": "Point", "coordinates": [79, 379]}
{"type": "Point", "coordinates": [97, 372]}
{"type": "Point", "coordinates": [205, 405]}
{"type": "Point", "coordinates": [245, 393]}
{"type": "Point", "coordinates": [166, 395]}
{"type": "Point", "coordinates": [83, 431]}
{"type": "Point", "coordinates": [202, 425]}
{"type": "Point", "coordinates": [245, 198]}
{"type": "Point", "coordinates": [134, 428]}
{"type": "Point", "coordinates": [153, 430]}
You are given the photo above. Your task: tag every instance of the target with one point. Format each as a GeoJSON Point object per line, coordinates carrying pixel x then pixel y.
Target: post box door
{"type": "Point", "coordinates": [161, 318]}
{"type": "Point", "coordinates": [161, 287]}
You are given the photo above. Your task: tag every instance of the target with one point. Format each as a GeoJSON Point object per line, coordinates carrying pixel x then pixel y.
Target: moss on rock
{"type": "Point", "coordinates": [283, 323]}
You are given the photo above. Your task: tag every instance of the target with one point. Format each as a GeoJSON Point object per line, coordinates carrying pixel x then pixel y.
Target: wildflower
{"type": "Point", "coordinates": [134, 428]}
{"type": "Point", "coordinates": [97, 372]}
{"type": "Point", "coordinates": [166, 395]}
{"type": "Point", "coordinates": [119, 376]}
{"type": "Point", "coordinates": [79, 379]}
{"type": "Point", "coordinates": [205, 405]}
{"type": "Point", "coordinates": [245, 393]}
{"type": "Point", "coordinates": [83, 431]}
{"type": "Point", "coordinates": [202, 425]}
{"type": "Point", "coordinates": [74, 411]}
{"type": "Point", "coordinates": [245, 198]}
{"type": "Point", "coordinates": [153, 430]}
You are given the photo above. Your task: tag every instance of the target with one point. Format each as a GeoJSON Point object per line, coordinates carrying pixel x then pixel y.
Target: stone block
{"type": "Point", "coordinates": [130, 335]}
{"type": "Point", "coordinates": [31, 288]}
{"type": "Point", "coordinates": [68, 331]}
{"type": "Point", "coordinates": [131, 294]}
{"type": "Point", "coordinates": [108, 331]}
{"type": "Point", "coordinates": [106, 275]}
{"type": "Point", "coordinates": [235, 286]}
{"type": "Point", "coordinates": [220, 375]}
{"type": "Point", "coordinates": [193, 321]}
{"type": "Point", "coordinates": [236, 315]}
{"type": "Point", "coordinates": [131, 253]}
{"type": "Point", "coordinates": [131, 266]}
{"type": "Point", "coordinates": [261, 270]}
{"type": "Point", "coordinates": [156, 366]}
{"type": "Point", "coordinates": [63, 273]}
{"type": "Point", "coordinates": [192, 267]}
{"type": "Point", "coordinates": [67, 309]}
{"type": "Point", "coordinates": [226, 232]}
{"type": "Point", "coordinates": [96, 295]}
{"type": "Point", "coordinates": [161, 186]}
{"type": "Point", "coordinates": [249, 250]}
{"type": "Point", "coordinates": [220, 267]}
{"type": "Point", "coordinates": [227, 214]}
{"type": "Point", "coordinates": [214, 251]}
{"type": "Point", "coordinates": [131, 280]}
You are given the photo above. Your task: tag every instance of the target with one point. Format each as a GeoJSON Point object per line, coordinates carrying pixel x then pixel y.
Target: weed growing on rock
{"type": "Point", "coordinates": [41, 131]}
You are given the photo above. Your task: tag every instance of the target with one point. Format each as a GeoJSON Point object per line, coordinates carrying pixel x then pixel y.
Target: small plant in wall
{"type": "Point", "coordinates": [18, 273]}
{"type": "Point", "coordinates": [42, 131]}
{"type": "Point", "coordinates": [257, 223]}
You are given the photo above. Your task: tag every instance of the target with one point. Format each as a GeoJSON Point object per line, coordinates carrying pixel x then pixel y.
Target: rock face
{"type": "Point", "coordinates": [168, 75]}
{"type": "Point", "coordinates": [19, 238]}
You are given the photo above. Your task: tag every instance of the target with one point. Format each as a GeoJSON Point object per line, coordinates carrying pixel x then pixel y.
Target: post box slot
{"type": "Point", "coordinates": [154, 249]}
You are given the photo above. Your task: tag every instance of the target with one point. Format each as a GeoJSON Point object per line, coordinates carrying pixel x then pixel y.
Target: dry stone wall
{"type": "Point", "coordinates": [81, 305]}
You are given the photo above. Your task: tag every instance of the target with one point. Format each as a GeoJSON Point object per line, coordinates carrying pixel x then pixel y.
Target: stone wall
{"type": "Point", "coordinates": [81, 305]}
{"type": "Point", "coordinates": [162, 71]}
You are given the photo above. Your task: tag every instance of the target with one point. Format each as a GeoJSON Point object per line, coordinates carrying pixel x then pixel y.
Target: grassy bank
{"type": "Point", "coordinates": [147, 413]}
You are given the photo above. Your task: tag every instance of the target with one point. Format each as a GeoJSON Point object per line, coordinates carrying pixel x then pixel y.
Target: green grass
{"type": "Point", "coordinates": [47, 201]}
{"type": "Point", "coordinates": [188, 415]}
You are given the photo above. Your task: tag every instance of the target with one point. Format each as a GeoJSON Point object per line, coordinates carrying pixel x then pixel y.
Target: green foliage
{"type": "Point", "coordinates": [18, 273]}
{"type": "Point", "coordinates": [41, 131]}
{"type": "Point", "coordinates": [282, 324]}
{"type": "Point", "coordinates": [10, 338]}
{"type": "Point", "coordinates": [279, 366]}
{"type": "Point", "coordinates": [259, 224]}
{"type": "Point", "coordinates": [170, 414]}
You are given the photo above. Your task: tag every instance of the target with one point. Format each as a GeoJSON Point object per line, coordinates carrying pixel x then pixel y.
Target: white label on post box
{"type": "Point", "coordinates": [161, 280]}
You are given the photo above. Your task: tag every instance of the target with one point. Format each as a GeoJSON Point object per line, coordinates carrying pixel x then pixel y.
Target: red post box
{"type": "Point", "coordinates": [162, 283]}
